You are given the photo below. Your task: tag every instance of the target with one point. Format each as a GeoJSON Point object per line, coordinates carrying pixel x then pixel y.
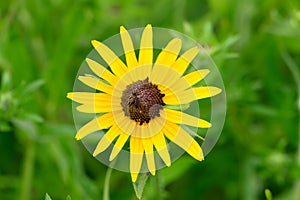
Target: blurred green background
{"type": "Point", "coordinates": [255, 44]}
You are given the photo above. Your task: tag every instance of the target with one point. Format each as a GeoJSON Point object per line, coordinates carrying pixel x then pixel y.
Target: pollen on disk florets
{"type": "Point", "coordinates": [142, 101]}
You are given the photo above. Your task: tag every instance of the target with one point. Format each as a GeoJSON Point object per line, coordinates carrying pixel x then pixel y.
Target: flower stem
{"type": "Point", "coordinates": [106, 184]}
{"type": "Point", "coordinates": [27, 171]}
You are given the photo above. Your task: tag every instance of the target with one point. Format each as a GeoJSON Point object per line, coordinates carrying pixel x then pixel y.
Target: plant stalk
{"type": "Point", "coordinates": [106, 184]}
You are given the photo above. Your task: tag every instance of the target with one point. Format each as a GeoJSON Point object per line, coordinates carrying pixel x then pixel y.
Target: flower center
{"type": "Point", "coordinates": [142, 101]}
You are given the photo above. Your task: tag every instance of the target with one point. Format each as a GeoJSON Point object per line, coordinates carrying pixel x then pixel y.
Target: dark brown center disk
{"type": "Point", "coordinates": [142, 101]}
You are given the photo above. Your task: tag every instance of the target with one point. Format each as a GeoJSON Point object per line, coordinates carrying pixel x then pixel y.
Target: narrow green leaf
{"type": "Point", "coordinates": [140, 184]}
{"type": "Point", "coordinates": [30, 88]}
{"type": "Point", "coordinates": [268, 194]}
{"type": "Point", "coordinates": [47, 197]}
{"type": "Point", "coordinates": [27, 127]}
{"type": "Point", "coordinates": [6, 81]}
{"type": "Point", "coordinates": [31, 117]}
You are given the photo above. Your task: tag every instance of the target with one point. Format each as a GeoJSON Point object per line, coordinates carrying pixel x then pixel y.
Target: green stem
{"type": "Point", "coordinates": [27, 171]}
{"type": "Point", "coordinates": [106, 184]}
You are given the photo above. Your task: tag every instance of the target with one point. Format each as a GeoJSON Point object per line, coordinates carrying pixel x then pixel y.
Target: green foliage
{"type": "Point", "coordinates": [255, 45]}
{"type": "Point", "coordinates": [268, 194]}
{"type": "Point", "coordinates": [47, 197]}
{"type": "Point", "coordinates": [140, 184]}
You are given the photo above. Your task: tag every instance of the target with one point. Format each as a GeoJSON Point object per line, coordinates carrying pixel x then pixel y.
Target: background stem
{"type": "Point", "coordinates": [27, 172]}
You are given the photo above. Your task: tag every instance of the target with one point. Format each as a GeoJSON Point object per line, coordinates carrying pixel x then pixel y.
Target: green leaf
{"type": "Point", "coordinates": [268, 194]}
{"type": "Point", "coordinates": [140, 183]}
{"type": "Point", "coordinates": [6, 81]}
{"type": "Point", "coordinates": [68, 198]}
{"type": "Point", "coordinates": [30, 88]}
{"type": "Point", "coordinates": [31, 117]}
{"type": "Point", "coordinates": [47, 197]}
{"type": "Point", "coordinates": [27, 127]}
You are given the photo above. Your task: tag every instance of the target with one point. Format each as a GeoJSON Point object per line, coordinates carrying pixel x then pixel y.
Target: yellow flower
{"type": "Point", "coordinates": [134, 100]}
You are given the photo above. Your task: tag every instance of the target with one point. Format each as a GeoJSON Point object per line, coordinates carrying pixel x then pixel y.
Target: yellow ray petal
{"type": "Point", "coordinates": [160, 144]}
{"type": "Point", "coordinates": [125, 123]}
{"type": "Point", "coordinates": [107, 139]}
{"type": "Point", "coordinates": [139, 73]}
{"type": "Point", "coordinates": [205, 91]}
{"type": "Point", "coordinates": [116, 65]}
{"type": "Point", "coordinates": [195, 151]}
{"type": "Point", "coordinates": [183, 118]}
{"type": "Point", "coordinates": [118, 145]}
{"type": "Point", "coordinates": [169, 54]}
{"type": "Point", "coordinates": [146, 46]}
{"type": "Point", "coordinates": [164, 89]}
{"type": "Point", "coordinates": [96, 84]}
{"type": "Point", "coordinates": [176, 99]}
{"type": "Point", "coordinates": [94, 108]}
{"type": "Point", "coordinates": [95, 43]}
{"type": "Point", "coordinates": [148, 146]}
{"type": "Point", "coordinates": [103, 122]}
{"type": "Point", "coordinates": [164, 75]}
{"type": "Point", "coordinates": [153, 127]}
{"type": "Point", "coordinates": [90, 98]}
{"type": "Point", "coordinates": [196, 76]}
{"type": "Point", "coordinates": [92, 102]}
{"type": "Point", "coordinates": [180, 137]}
{"type": "Point", "coordinates": [130, 56]}
{"type": "Point", "coordinates": [136, 156]}
{"type": "Point", "coordinates": [190, 95]}
{"type": "Point", "coordinates": [185, 59]}
{"type": "Point", "coordinates": [101, 71]}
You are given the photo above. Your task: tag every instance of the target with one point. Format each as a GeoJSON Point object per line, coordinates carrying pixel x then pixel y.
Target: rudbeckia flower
{"type": "Point", "coordinates": [135, 97]}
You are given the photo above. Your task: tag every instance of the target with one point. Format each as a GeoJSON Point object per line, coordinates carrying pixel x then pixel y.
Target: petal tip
{"type": "Point", "coordinates": [216, 91]}
{"type": "Point", "coordinates": [177, 41]}
{"type": "Point", "coordinates": [122, 29]}
{"type": "Point", "coordinates": [153, 172]}
{"type": "Point", "coordinates": [204, 72]}
{"type": "Point", "coordinates": [77, 137]}
{"type": "Point", "coordinates": [113, 154]}
{"type": "Point", "coordinates": [199, 157]}
{"type": "Point", "coordinates": [69, 95]}
{"type": "Point", "coordinates": [134, 177]}
{"type": "Point", "coordinates": [196, 49]}
{"type": "Point", "coordinates": [95, 154]}
{"type": "Point", "coordinates": [111, 157]}
{"type": "Point", "coordinates": [204, 124]}
{"type": "Point", "coordinates": [95, 43]}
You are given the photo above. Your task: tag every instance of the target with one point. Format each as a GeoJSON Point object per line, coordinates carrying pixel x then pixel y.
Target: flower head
{"type": "Point", "coordinates": [133, 100]}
